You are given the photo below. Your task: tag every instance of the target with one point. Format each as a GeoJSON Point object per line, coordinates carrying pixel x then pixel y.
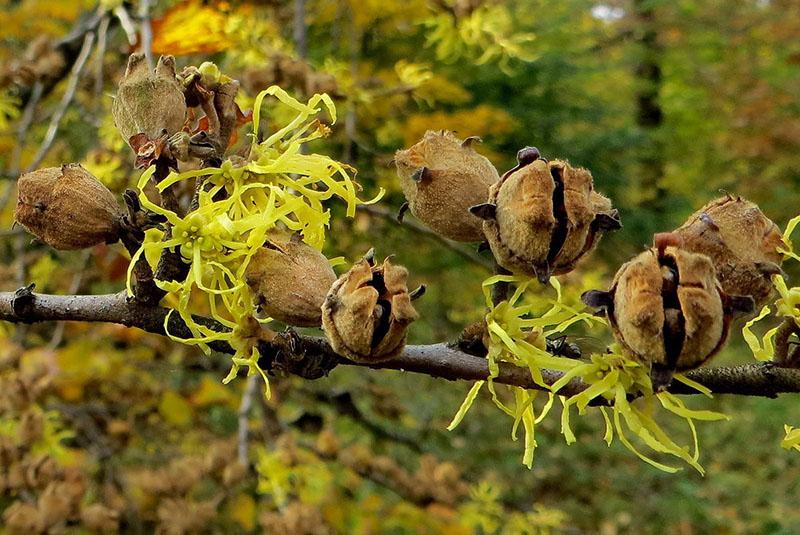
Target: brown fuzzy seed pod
{"type": "Point", "coordinates": [442, 176]}
{"type": "Point", "coordinates": [149, 103]}
{"type": "Point", "coordinates": [742, 243]}
{"type": "Point", "coordinates": [67, 208]}
{"type": "Point", "coordinates": [542, 217]}
{"type": "Point", "coordinates": [367, 312]}
{"type": "Point", "coordinates": [290, 279]}
{"type": "Point", "coordinates": [667, 309]}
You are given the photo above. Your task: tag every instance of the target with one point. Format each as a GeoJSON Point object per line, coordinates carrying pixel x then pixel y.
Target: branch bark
{"type": "Point", "coordinates": [312, 357]}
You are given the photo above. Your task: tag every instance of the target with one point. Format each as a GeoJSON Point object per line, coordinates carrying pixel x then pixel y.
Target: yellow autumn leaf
{"type": "Point", "coordinates": [191, 28]}
{"type": "Point", "coordinates": [242, 509]}
{"type": "Point", "coordinates": [211, 392]}
{"type": "Point", "coordinates": [175, 409]}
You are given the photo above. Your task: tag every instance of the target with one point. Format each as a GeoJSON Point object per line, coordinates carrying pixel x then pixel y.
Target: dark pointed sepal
{"type": "Point", "coordinates": [598, 299]}
{"type": "Point", "coordinates": [607, 221]}
{"type": "Point", "coordinates": [484, 211]}
{"type": "Point", "coordinates": [419, 292]}
{"type": "Point", "coordinates": [401, 213]}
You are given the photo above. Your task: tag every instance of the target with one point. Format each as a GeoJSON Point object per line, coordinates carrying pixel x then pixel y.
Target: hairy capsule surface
{"type": "Point", "coordinates": [290, 279]}
{"type": "Point", "coordinates": [543, 217]}
{"type": "Point", "coordinates": [149, 103]}
{"type": "Point", "coordinates": [67, 208]}
{"type": "Point", "coordinates": [368, 310]}
{"type": "Point", "coordinates": [742, 243]}
{"type": "Point", "coordinates": [442, 177]}
{"type": "Point", "coordinates": [667, 309]}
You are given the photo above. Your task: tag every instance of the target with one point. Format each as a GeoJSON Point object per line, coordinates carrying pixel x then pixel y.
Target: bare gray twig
{"type": "Point", "coordinates": [244, 417]}
{"type": "Point", "coordinates": [66, 99]}
{"type": "Point", "coordinates": [418, 228]}
{"type": "Point", "coordinates": [300, 352]}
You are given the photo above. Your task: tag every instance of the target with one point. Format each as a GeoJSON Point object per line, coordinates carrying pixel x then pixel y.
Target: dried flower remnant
{"type": "Point", "coordinates": [542, 217]}
{"type": "Point", "coordinates": [290, 279]}
{"type": "Point", "coordinates": [67, 208]}
{"type": "Point", "coordinates": [368, 310]}
{"type": "Point", "coordinates": [668, 310]}
{"type": "Point", "coordinates": [149, 107]}
{"type": "Point", "coordinates": [742, 243]}
{"type": "Point", "coordinates": [442, 176]}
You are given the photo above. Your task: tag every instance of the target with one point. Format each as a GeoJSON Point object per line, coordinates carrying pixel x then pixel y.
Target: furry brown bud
{"type": "Point", "coordinates": [667, 309]}
{"type": "Point", "coordinates": [290, 279]}
{"type": "Point", "coordinates": [67, 208]}
{"type": "Point", "coordinates": [542, 217]}
{"type": "Point", "coordinates": [442, 176]}
{"type": "Point", "coordinates": [742, 243]}
{"type": "Point", "coordinates": [149, 103]}
{"type": "Point", "coordinates": [368, 310]}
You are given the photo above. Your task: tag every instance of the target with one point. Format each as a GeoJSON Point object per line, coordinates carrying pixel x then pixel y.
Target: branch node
{"type": "Point", "coordinates": [22, 301]}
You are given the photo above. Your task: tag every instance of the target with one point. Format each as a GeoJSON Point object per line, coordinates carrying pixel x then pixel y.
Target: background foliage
{"type": "Point", "coordinates": [666, 103]}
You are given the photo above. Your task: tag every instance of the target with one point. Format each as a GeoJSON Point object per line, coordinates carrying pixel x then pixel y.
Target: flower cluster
{"type": "Point", "coordinates": [620, 386]}
{"type": "Point", "coordinates": [238, 203]}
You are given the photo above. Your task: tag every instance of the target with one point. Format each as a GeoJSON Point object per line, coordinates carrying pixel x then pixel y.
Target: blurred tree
{"type": "Point", "coordinates": [105, 428]}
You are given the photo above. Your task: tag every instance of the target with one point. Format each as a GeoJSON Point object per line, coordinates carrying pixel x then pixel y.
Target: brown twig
{"type": "Point", "coordinates": [422, 230]}
{"type": "Point", "coordinates": [77, 280]}
{"type": "Point", "coordinates": [68, 48]}
{"type": "Point", "coordinates": [66, 99]}
{"type": "Point", "coordinates": [500, 289]}
{"type": "Point", "coordinates": [313, 357]}
{"type": "Point", "coordinates": [782, 346]}
{"type": "Point", "coordinates": [249, 393]}
{"type": "Point", "coordinates": [24, 127]}
{"type": "Point", "coordinates": [102, 42]}
{"type": "Point", "coordinates": [146, 31]}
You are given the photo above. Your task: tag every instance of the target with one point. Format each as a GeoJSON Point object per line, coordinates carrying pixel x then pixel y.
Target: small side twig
{"type": "Point", "coordinates": [126, 22]}
{"type": "Point", "coordinates": [24, 127]}
{"type": "Point", "coordinates": [244, 417]}
{"type": "Point", "coordinates": [500, 289]}
{"type": "Point", "coordinates": [69, 94]}
{"type": "Point", "coordinates": [465, 253]}
{"type": "Point", "coordinates": [77, 280]}
{"type": "Point", "coordinates": [146, 31]}
{"type": "Point", "coordinates": [102, 42]}
{"type": "Point", "coordinates": [785, 356]}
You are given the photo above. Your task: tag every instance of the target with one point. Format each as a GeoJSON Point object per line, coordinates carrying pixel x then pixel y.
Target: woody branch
{"type": "Point", "coordinates": [312, 357]}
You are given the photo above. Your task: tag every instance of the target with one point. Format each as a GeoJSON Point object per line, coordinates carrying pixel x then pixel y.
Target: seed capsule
{"type": "Point", "coordinates": [667, 309]}
{"type": "Point", "coordinates": [67, 208]}
{"type": "Point", "coordinates": [290, 280]}
{"type": "Point", "coordinates": [442, 176]}
{"type": "Point", "coordinates": [542, 217]}
{"type": "Point", "coordinates": [368, 310]}
{"type": "Point", "coordinates": [149, 103]}
{"type": "Point", "coordinates": [742, 243]}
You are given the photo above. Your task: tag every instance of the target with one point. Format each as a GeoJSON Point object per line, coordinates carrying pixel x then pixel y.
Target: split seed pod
{"type": "Point", "coordinates": [67, 208]}
{"type": "Point", "coordinates": [742, 243]}
{"type": "Point", "coordinates": [290, 279]}
{"type": "Point", "coordinates": [442, 176]}
{"type": "Point", "coordinates": [542, 217]}
{"type": "Point", "coordinates": [149, 103]}
{"type": "Point", "coordinates": [667, 308]}
{"type": "Point", "coordinates": [368, 310]}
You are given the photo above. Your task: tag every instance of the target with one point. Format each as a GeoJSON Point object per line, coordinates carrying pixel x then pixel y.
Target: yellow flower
{"type": "Point", "coordinates": [277, 185]}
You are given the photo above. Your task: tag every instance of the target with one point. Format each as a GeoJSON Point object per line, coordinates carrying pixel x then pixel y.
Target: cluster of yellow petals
{"type": "Point", "coordinates": [241, 201]}
{"type": "Point", "coordinates": [620, 386]}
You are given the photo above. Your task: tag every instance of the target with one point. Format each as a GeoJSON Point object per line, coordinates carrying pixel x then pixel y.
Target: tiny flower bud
{"type": "Point", "coordinates": [442, 177]}
{"type": "Point", "coordinates": [67, 208]}
{"type": "Point", "coordinates": [368, 310]}
{"type": "Point", "coordinates": [290, 279]}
